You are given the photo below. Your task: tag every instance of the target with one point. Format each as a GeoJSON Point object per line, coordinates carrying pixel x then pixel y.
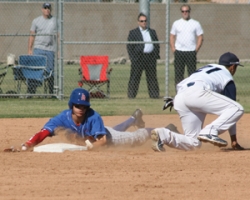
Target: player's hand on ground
{"type": "Point", "coordinates": [236, 146]}
{"type": "Point", "coordinates": [12, 149]}
{"type": "Point", "coordinates": [22, 147]}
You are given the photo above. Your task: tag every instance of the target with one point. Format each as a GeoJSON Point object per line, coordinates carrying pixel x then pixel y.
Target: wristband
{"type": "Point", "coordinates": [89, 144]}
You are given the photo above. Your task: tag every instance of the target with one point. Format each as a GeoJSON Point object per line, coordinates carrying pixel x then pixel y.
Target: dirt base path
{"type": "Point", "coordinates": [123, 173]}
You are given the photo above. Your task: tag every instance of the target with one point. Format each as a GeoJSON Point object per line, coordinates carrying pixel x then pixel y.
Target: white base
{"type": "Point", "coordinates": [59, 148]}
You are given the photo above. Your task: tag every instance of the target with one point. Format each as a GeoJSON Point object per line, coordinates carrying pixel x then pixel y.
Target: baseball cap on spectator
{"type": "Point", "coordinates": [229, 59]}
{"type": "Point", "coordinates": [47, 5]}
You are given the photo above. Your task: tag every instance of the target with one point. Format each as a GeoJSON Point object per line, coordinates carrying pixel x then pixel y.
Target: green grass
{"type": "Point", "coordinates": [117, 104]}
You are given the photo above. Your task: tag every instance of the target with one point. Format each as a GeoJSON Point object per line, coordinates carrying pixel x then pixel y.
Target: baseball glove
{"type": "Point", "coordinates": [169, 103]}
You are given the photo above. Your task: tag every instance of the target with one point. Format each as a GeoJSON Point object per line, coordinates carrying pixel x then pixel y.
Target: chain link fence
{"type": "Point", "coordinates": [87, 28]}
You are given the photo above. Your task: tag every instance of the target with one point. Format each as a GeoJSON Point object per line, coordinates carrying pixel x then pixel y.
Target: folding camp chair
{"type": "Point", "coordinates": [3, 72]}
{"type": "Point", "coordinates": [32, 69]}
{"type": "Point", "coordinates": [18, 77]}
{"type": "Point", "coordinates": [94, 73]}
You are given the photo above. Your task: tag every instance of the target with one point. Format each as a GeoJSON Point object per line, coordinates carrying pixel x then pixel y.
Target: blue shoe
{"type": "Point", "coordinates": [157, 145]}
{"type": "Point", "coordinates": [214, 139]}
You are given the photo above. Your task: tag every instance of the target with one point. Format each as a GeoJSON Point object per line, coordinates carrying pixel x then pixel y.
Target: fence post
{"type": "Point", "coordinates": [167, 47]}
{"type": "Point", "coordinates": [145, 9]}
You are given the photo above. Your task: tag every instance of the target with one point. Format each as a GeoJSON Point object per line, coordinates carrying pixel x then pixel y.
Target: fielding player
{"type": "Point", "coordinates": [209, 90]}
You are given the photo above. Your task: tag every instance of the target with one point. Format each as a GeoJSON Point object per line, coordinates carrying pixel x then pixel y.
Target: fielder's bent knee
{"type": "Point", "coordinates": [240, 111]}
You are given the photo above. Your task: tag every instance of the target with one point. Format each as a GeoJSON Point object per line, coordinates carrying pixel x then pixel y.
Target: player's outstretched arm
{"type": "Point", "coordinates": [33, 141]}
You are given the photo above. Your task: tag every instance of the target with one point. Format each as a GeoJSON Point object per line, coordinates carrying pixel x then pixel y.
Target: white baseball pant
{"type": "Point", "coordinates": [122, 137]}
{"type": "Point", "coordinates": [192, 104]}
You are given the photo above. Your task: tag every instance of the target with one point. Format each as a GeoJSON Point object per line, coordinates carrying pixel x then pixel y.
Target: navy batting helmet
{"type": "Point", "coordinates": [79, 96]}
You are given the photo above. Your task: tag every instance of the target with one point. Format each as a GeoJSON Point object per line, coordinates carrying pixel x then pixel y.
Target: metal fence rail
{"type": "Point", "coordinates": [102, 28]}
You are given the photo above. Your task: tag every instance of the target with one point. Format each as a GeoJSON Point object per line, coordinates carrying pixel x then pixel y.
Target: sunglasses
{"type": "Point", "coordinates": [185, 11]}
{"type": "Point", "coordinates": [46, 7]}
{"type": "Point", "coordinates": [80, 106]}
{"type": "Point", "coordinates": [143, 21]}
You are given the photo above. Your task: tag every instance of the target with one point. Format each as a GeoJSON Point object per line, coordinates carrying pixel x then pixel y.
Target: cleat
{"type": "Point", "coordinates": [172, 128]}
{"type": "Point", "coordinates": [157, 145]}
{"type": "Point", "coordinates": [214, 139]}
{"type": "Point", "coordinates": [138, 118]}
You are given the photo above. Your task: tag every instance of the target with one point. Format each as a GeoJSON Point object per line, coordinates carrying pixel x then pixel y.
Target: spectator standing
{"type": "Point", "coordinates": [44, 44]}
{"type": "Point", "coordinates": [143, 56]}
{"type": "Point", "coordinates": [186, 38]}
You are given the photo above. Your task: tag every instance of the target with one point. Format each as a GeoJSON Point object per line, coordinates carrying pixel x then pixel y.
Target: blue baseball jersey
{"type": "Point", "coordinates": [92, 125]}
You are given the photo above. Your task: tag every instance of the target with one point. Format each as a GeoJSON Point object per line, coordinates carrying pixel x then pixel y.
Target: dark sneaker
{"type": "Point", "coordinates": [214, 139]}
{"type": "Point", "coordinates": [138, 118]}
{"type": "Point", "coordinates": [173, 128]}
{"type": "Point", "coordinates": [157, 145]}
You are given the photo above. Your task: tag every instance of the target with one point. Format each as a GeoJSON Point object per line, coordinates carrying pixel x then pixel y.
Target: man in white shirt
{"type": "Point", "coordinates": [186, 38]}
{"type": "Point", "coordinates": [143, 56]}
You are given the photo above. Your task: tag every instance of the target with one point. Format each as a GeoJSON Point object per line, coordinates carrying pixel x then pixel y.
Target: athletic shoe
{"type": "Point", "coordinates": [173, 128]}
{"type": "Point", "coordinates": [157, 145]}
{"type": "Point", "coordinates": [214, 139]}
{"type": "Point", "coordinates": [138, 118]}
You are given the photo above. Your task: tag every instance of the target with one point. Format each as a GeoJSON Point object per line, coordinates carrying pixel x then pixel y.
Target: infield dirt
{"type": "Point", "coordinates": [123, 173]}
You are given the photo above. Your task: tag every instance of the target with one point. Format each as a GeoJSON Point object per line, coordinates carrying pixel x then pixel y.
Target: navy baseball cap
{"type": "Point", "coordinates": [229, 59]}
{"type": "Point", "coordinates": [47, 5]}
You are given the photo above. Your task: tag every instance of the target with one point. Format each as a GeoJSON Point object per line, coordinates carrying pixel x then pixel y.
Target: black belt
{"type": "Point", "coordinates": [190, 84]}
